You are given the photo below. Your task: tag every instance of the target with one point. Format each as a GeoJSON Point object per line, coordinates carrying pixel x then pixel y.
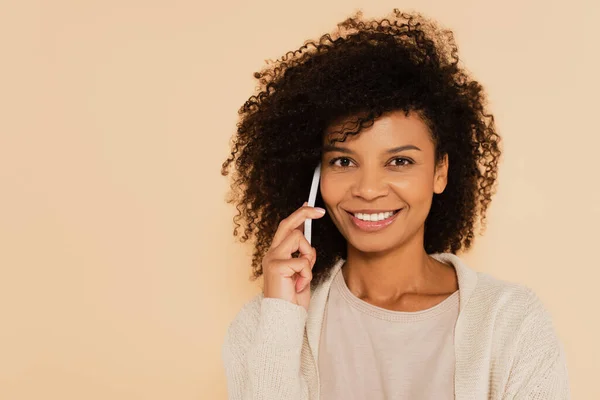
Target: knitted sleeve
{"type": "Point", "coordinates": [261, 351]}
{"type": "Point", "coordinates": [539, 370]}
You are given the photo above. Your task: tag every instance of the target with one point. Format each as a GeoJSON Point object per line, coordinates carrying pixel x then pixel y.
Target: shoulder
{"type": "Point", "coordinates": [488, 299]}
{"type": "Point", "coordinates": [521, 307]}
{"type": "Point", "coordinates": [484, 296]}
{"type": "Point", "coordinates": [511, 298]}
{"type": "Point", "coordinates": [523, 338]}
{"type": "Point", "coordinates": [514, 312]}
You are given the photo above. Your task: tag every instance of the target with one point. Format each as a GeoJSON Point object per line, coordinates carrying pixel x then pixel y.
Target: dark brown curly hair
{"type": "Point", "coordinates": [365, 68]}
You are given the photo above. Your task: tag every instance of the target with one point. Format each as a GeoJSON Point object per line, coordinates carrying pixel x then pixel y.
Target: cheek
{"type": "Point", "coordinates": [332, 189]}
{"type": "Point", "coordinates": [414, 187]}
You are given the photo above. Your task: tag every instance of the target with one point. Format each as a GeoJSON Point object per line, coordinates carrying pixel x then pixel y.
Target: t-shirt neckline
{"type": "Point", "coordinates": [390, 315]}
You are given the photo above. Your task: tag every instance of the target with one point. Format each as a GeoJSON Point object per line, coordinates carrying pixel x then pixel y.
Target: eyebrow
{"type": "Point", "coordinates": [398, 149]}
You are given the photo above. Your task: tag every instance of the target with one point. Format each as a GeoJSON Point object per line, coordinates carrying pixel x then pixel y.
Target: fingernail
{"type": "Point", "coordinates": [305, 203]}
{"type": "Point", "coordinates": [321, 210]}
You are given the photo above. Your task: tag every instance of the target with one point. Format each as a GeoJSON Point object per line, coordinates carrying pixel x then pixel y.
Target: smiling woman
{"type": "Point", "coordinates": [378, 305]}
{"type": "Point", "coordinates": [389, 168]}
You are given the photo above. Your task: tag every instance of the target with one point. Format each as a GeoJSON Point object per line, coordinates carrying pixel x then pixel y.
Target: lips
{"type": "Point", "coordinates": [373, 226]}
{"type": "Point", "coordinates": [373, 215]}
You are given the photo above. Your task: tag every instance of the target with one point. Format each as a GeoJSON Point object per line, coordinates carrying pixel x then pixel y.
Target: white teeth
{"type": "Point", "coordinates": [374, 217]}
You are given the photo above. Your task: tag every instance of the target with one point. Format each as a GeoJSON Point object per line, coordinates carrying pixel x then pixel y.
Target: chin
{"type": "Point", "coordinates": [374, 245]}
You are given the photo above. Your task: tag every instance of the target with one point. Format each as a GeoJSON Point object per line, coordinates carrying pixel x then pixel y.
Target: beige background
{"type": "Point", "coordinates": [118, 270]}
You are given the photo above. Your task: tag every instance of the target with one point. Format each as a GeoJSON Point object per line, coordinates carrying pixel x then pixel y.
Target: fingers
{"type": "Point", "coordinates": [295, 221]}
{"type": "Point", "coordinates": [288, 268]}
{"type": "Point", "coordinates": [295, 241]}
{"type": "Point", "coordinates": [285, 274]}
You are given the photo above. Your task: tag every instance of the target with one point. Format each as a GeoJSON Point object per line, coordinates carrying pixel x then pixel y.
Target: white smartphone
{"type": "Point", "coordinates": [312, 197]}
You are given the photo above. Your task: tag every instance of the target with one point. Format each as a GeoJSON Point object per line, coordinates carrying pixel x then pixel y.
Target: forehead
{"type": "Point", "coordinates": [394, 128]}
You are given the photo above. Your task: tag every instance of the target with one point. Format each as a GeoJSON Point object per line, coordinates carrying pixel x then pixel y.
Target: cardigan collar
{"type": "Point", "coordinates": [467, 280]}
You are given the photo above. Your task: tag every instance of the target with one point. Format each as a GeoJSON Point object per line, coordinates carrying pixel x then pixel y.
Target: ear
{"type": "Point", "coordinates": [440, 179]}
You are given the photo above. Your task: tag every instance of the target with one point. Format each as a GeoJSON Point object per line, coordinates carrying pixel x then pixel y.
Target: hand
{"type": "Point", "coordinates": [286, 277]}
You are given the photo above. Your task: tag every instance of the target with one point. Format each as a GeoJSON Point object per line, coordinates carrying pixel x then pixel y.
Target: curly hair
{"type": "Point", "coordinates": [365, 68]}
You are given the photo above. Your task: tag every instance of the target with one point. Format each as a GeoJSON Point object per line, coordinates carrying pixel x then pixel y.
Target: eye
{"type": "Point", "coordinates": [401, 162]}
{"type": "Point", "coordinates": [342, 162]}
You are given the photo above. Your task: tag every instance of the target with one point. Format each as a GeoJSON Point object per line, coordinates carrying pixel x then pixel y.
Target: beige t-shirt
{"type": "Point", "coordinates": [368, 352]}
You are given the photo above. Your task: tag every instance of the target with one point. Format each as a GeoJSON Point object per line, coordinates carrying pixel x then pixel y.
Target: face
{"type": "Point", "coordinates": [378, 185]}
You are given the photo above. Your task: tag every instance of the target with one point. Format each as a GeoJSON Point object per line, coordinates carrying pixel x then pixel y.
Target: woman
{"type": "Point", "coordinates": [379, 306]}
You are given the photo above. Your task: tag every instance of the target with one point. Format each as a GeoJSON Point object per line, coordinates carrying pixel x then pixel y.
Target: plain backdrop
{"type": "Point", "coordinates": [119, 273]}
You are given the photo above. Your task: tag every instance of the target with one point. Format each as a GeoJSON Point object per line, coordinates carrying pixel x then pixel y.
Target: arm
{"type": "Point", "coordinates": [261, 351]}
{"type": "Point", "coordinates": [539, 369]}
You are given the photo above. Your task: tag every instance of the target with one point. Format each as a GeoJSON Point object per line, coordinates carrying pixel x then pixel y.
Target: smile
{"type": "Point", "coordinates": [373, 221]}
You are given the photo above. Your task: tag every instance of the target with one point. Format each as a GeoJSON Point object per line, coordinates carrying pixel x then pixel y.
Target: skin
{"type": "Point", "coordinates": [286, 277]}
{"type": "Point", "coordinates": [388, 268]}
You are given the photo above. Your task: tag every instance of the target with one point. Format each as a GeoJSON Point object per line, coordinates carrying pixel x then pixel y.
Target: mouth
{"type": "Point", "coordinates": [373, 221]}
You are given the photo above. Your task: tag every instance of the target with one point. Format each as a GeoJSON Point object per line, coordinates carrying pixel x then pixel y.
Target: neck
{"type": "Point", "coordinates": [388, 276]}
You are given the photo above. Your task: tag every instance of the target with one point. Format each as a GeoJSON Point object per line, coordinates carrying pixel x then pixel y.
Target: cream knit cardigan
{"type": "Point", "coordinates": [505, 344]}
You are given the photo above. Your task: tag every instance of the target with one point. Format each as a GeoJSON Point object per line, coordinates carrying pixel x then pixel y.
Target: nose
{"type": "Point", "coordinates": [369, 184]}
